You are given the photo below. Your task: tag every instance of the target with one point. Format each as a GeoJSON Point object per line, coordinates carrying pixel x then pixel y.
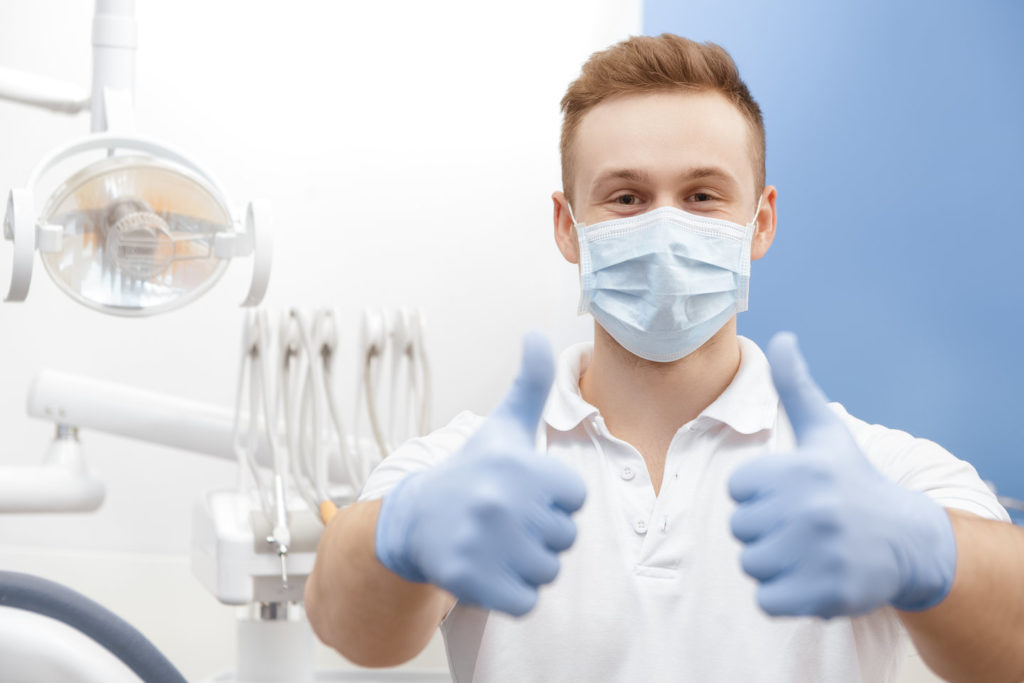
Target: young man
{"type": "Point", "coordinates": [726, 513]}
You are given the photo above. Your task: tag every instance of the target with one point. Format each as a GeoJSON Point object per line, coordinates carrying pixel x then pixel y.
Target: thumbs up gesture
{"type": "Point", "coordinates": [825, 533]}
{"type": "Point", "coordinates": [487, 524]}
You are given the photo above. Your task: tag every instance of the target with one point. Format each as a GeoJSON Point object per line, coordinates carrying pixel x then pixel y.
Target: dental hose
{"type": "Point", "coordinates": [124, 641]}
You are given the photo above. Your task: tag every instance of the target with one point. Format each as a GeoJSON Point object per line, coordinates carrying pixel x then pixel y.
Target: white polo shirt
{"type": "Point", "coordinates": [653, 590]}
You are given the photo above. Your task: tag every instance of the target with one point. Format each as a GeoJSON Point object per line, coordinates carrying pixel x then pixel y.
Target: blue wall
{"type": "Point", "coordinates": [896, 139]}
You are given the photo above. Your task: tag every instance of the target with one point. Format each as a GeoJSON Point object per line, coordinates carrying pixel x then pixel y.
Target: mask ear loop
{"type": "Point", "coordinates": [586, 274]}
{"type": "Point", "coordinates": [751, 228]}
{"type": "Point", "coordinates": [574, 221]}
{"type": "Point", "coordinates": [757, 211]}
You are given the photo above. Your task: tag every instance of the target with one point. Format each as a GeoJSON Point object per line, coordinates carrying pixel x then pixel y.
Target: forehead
{"type": "Point", "coordinates": [662, 133]}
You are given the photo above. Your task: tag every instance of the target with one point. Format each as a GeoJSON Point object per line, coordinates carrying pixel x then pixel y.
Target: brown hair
{"type": "Point", "coordinates": [646, 64]}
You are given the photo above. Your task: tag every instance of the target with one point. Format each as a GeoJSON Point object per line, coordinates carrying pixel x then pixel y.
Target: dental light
{"type": "Point", "coordinates": [123, 224]}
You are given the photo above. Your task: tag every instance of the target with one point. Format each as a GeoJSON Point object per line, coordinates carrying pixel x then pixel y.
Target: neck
{"type": "Point", "coordinates": [643, 401]}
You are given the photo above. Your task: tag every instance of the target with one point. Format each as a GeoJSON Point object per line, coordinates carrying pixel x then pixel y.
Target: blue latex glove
{"type": "Point", "coordinates": [826, 534]}
{"type": "Point", "coordinates": [487, 524]}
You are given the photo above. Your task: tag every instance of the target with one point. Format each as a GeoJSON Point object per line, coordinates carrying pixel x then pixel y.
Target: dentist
{"type": "Point", "coordinates": [693, 509]}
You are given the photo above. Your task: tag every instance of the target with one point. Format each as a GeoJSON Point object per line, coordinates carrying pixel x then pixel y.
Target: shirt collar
{"type": "Point", "coordinates": [566, 407]}
{"type": "Point", "coordinates": [749, 404]}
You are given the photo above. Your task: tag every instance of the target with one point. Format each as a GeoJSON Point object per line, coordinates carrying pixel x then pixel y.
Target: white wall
{"type": "Point", "coordinates": [410, 149]}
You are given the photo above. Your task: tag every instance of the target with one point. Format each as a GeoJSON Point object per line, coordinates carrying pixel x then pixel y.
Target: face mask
{"type": "Point", "coordinates": [662, 283]}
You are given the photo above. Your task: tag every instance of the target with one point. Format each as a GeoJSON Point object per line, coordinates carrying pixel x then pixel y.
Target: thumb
{"type": "Point", "coordinates": [803, 400]}
{"type": "Point", "coordinates": [525, 401]}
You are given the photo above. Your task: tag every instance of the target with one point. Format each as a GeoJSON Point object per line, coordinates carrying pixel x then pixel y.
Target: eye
{"type": "Point", "coordinates": [702, 197]}
{"type": "Point", "coordinates": [627, 199]}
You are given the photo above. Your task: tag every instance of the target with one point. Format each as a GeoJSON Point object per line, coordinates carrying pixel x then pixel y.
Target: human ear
{"type": "Point", "coordinates": [764, 225]}
{"type": "Point", "coordinates": [565, 233]}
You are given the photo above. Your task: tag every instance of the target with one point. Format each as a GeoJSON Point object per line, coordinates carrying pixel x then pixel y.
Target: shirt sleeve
{"type": "Point", "coordinates": [419, 454]}
{"type": "Point", "coordinates": [924, 466]}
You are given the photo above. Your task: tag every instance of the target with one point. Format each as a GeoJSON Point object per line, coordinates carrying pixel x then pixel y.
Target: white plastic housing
{"type": "Point", "coordinates": [134, 413]}
{"type": "Point", "coordinates": [61, 484]}
{"type": "Point", "coordinates": [43, 92]}
{"type": "Point", "coordinates": [232, 558]}
{"type": "Point", "coordinates": [259, 229]}
{"type": "Point", "coordinates": [19, 227]}
{"type": "Point", "coordinates": [114, 41]}
{"type": "Point", "coordinates": [278, 651]}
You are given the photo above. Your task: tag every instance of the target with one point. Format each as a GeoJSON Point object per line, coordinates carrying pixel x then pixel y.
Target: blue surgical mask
{"type": "Point", "coordinates": [662, 283]}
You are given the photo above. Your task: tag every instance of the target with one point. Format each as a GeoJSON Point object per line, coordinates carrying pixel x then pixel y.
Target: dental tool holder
{"type": "Point", "coordinates": [233, 559]}
{"type": "Point", "coordinates": [238, 553]}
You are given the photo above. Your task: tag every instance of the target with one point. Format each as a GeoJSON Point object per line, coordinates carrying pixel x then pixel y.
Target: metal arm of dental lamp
{"type": "Point", "coordinates": [114, 40]}
{"type": "Point", "coordinates": [63, 483]}
{"type": "Point", "coordinates": [73, 403]}
{"type": "Point", "coordinates": [84, 403]}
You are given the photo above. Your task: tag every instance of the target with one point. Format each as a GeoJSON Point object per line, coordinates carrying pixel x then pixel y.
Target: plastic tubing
{"type": "Point", "coordinates": [124, 641]}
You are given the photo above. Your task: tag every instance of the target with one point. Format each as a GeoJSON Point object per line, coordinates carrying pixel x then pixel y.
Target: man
{"type": "Point", "coordinates": [672, 428]}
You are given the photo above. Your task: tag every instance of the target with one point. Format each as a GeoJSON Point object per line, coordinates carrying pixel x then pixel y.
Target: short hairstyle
{"type": "Point", "coordinates": [648, 64]}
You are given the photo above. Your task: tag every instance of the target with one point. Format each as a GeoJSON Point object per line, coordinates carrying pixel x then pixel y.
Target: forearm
{"type": "Point", "coordinates": [359, 607]}
{"type": "Point", "coordinates": [976, 633]}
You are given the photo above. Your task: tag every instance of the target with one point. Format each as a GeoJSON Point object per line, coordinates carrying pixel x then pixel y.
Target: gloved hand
{"type": "Point", "coordinates": [487, 524]}
{"type": "Point", "coordinates": [826, 534]}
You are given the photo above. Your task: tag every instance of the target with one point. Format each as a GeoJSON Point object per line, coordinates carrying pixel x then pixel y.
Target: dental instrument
{"type": "Point", "coordinates": [256, 371]}
{"type": "Point", "coordinates": [372, 348]}
{"type": "Point", "coordinates": [422, 362]}
{"type": "Point", "coordinates": [410, 377]}
{"type": "Point", "coordinates": [324, 337]}
{"type": "Point", "coordinates": [398, 336]}
{"type": "Point", "coordinates": [401, 342]}
{"type": "Point", "coordinates": [295, 369]}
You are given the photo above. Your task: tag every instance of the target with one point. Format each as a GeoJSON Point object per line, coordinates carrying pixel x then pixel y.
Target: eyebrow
{"type": "Point", "coordinates": [638, 176]}
{"type": "Point", "coordinates": [707, 172]}
{"type": "Point", "coordinates": [630, 174]}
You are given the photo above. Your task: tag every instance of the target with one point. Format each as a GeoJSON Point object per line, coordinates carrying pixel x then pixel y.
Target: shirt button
{"type": "Point", "coordinates": [628, 473]}
{"type": "Point", "coordinates": [640, 526]}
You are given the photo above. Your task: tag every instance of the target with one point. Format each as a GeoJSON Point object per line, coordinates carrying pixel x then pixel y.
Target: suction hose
{"type": "Point", "coordinates": [124, 641]}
